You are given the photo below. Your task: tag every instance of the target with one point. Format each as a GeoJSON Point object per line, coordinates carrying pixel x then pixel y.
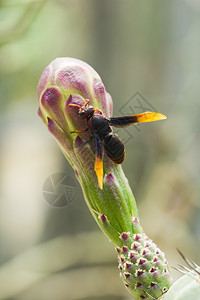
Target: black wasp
{"type": "Point", "coordinates": [101, 130]}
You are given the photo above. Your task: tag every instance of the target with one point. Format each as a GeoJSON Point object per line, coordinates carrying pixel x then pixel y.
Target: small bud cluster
{"type": "Point", "coordinates": [143, 266]}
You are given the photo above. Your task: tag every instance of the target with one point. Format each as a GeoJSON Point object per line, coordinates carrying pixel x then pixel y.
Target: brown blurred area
{"type": "Point", "coordinates": [147, 54]}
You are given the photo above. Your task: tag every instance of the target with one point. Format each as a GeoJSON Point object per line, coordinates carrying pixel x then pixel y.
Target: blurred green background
{"type": "Point", "coordinates": [147, 47]}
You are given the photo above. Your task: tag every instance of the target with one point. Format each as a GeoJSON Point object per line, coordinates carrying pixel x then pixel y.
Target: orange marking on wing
{"type": "Point", "coordinates": [98, 167]}
{"type": "Point", "coordinates": [149, 117]}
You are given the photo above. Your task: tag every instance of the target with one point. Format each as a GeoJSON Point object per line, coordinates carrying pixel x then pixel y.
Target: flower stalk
{"type": "Point", "coordinates": [64, 85]}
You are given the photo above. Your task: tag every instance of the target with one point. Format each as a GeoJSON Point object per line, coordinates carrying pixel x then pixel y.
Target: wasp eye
{"type": "Point", "coordinates": [82, 113]}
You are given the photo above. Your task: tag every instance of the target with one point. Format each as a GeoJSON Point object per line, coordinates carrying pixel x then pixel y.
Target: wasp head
{"type": "Point", "coordinates": [86, 111]}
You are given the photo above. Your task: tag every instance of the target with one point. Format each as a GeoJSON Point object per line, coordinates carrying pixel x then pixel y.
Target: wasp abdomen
{"type": "Point", "coordinates": [114, 148]}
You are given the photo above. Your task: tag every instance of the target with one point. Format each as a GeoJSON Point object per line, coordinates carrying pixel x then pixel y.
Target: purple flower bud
{"type": "Point", "coordinates": [118, 250]}
{"type": "Point", "coordinates": [127, 276]}
{"type": "Point", "coordinates": [125, 236]}
{"type": "Point", "coordinates": [103, 219]}
{"type": "Point", "coordinates": [129, 266]}
{"type": "Point", "coordinates": [75, 77]}
{"type": "Point", "coordinates": [133, 256]}
{"type": "Point", "coordinates": [63, 88]}
{"type": "Point", "coordinates": [124, 249]}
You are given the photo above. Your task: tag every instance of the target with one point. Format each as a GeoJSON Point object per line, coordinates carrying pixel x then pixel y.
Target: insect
{"type": "Point", "coordinates": [103, 135]}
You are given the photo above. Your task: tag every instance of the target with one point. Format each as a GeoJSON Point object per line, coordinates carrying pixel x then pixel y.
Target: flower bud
{"type": "Point", "coordinates": [62, 92]}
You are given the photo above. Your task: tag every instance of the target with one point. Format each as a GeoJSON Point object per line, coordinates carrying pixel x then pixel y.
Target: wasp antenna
{"type": "Point", "coordinates": [86, 102]}
{"type": "Point", "coordinates": [75, 105]}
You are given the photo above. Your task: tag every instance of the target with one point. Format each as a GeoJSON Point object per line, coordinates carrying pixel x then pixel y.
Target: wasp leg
{"type": "Point", "coordinates": [98, 110]}
{"type": "Point", "coordinates": [79, 131]}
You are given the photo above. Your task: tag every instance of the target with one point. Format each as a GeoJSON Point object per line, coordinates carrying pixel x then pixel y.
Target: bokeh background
{"type": "Point", "coordinates": [149, 49]}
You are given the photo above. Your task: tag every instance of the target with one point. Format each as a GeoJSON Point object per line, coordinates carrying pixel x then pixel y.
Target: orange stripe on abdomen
{"type": "Point", "coordinates": [119, 159]}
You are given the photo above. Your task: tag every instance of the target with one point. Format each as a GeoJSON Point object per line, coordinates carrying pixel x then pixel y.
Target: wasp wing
{"type": "Point", "coordinates": [114, 148]}
{"type": "Point", "coordinates": [139, 118]}
{"type": "Point", "coordinates": [98, 166]}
